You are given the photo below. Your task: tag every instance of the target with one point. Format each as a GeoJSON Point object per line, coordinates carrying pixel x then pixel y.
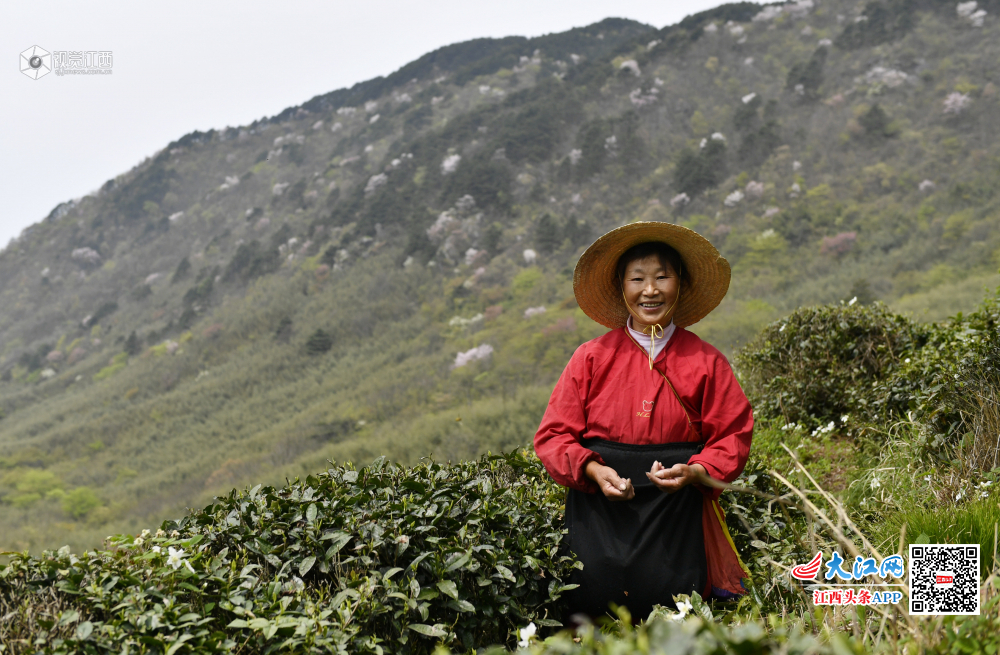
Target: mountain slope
{"type": "Point", "coordinates": [352, 277]}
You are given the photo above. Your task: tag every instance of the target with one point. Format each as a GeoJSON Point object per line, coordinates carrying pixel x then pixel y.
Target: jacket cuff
{"type": "Point", "coordinates": [709, 492]}
{"type": "Point", "coordinates": [588, 485]}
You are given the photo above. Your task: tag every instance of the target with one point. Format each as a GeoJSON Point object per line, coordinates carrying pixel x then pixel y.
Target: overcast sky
{"type": "Point", "coordinates": [182, 65]}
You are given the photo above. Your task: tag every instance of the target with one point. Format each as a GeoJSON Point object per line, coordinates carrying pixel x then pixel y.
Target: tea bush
{"type": "Point", "coordinates": [820, 363]}
{"type": "Point", "coordinates": [382, 559]}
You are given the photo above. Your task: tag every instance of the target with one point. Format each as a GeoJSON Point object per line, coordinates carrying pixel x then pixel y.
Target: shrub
{"type": "Point", "coordinates": [182, 271]}
{"type": "Point", "coordinates": [132, 345]}
{"type": "Point", "coordinates": [547, 234]}
{"type": "Point", "coordinates": [80, 502]}
{"type": "Point", "coordinates": [319, 342]}
{"type": "Point", "coordinates": [253, 260]}
{"type": "Point", "coordinates": [385, 559]}
{"type": "Point", "coordinates": [820, 363]}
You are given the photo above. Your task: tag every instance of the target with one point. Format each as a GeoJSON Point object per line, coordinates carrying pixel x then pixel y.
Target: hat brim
{"type": "Point", "coordinates": [705, 277]}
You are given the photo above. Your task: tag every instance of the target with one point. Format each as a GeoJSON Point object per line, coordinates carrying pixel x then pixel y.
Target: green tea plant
{"type": "Point", "coordinates": [820, 363]}
{"type": "Point", "coordinates": [382, 559]}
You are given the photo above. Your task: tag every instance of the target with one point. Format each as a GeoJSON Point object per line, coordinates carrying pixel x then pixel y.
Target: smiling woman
{"type": "Point", "coordinates": [644, 422]}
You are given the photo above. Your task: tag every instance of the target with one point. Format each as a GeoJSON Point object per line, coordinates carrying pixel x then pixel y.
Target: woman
{"type": "Point", "coordinates": [641, 422]}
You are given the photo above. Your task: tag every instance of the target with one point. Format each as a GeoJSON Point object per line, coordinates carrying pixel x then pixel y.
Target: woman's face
{"type": "Point", "coordinates": [650, 291]}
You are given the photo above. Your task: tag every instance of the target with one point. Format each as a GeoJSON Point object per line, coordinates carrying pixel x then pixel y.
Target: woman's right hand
{"type": "Point", "coordinates": [612, 486]}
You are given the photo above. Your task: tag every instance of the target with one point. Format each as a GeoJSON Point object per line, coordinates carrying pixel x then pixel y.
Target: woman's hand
{"type": "Point", "coordinates": [612, 486]}
{"type": "Point", "coordinates": [676, 477]}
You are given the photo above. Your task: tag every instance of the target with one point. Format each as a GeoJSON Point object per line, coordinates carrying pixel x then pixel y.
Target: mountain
{"type": "Point", "coordinates": [387, 269]}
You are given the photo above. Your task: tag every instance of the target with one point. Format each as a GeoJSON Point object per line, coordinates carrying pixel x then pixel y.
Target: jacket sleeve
{"type": "Point", "coordinates": [727, 425]}
{"type": "Point", "coordinates": [557, 442]}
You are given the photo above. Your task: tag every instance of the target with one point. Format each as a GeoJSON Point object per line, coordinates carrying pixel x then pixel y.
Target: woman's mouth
{"type": "Point", "coordinates": [650, 306]}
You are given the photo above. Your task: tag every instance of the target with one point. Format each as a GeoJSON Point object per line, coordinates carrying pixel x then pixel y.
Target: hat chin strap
{"type": "Point", "coordinates": [654, 331]}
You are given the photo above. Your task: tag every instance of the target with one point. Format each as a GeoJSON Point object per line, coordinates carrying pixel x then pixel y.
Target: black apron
{"type": "Point", "coordinates": [638, 552]}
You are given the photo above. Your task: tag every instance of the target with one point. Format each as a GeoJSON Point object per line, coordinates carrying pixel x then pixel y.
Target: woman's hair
{"type": "Point", "coordinates": [665, 253]}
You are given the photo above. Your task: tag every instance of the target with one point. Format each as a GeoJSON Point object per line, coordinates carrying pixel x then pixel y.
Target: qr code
{"type": "Point", "coordinates": [944, 579]}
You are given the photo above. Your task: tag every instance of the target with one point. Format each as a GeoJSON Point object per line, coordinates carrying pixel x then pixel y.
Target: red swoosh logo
{"type": "Point", "coordinates": [808, 571]}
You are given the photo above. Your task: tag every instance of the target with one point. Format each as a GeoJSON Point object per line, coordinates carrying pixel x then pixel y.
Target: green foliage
{"type": "Point", "coordinates": [884, 21]}
{"type": "Point", "coordinates": [876, 123]}
{"type": "Point", "coordinates": [105, 310]}
{"type": "Point", "coordinates": [820, 363]}
{"type": "Point", "coordinates": [319, 342]}
{"type": "Point", "coordinates": [251, 261]}
{"type": "Point", "coordinates": [385, 559]}
{"type": "Point", "coordinates": [118, 362]}
{"type": "Point", "coordinates": [80, 502]}
{"type": "Point", "coordinates": [701, 170]}
{"type": "Point", "coordinates": [547, 234]}
{"type": "Point", "coordinates": [132, 345]}
{"type": "Point", "coordinates": [182, 271]}
{"type": "Point", "coordinates": [807, 77]}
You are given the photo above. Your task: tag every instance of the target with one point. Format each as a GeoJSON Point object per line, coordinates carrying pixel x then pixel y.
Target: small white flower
{"type": "Point", "coordinates": [907, 360]}
{"type": "Point", "coordinates": [145, 534]}
{"type": "Point", "coordinates": [138, 541]}
{"type": "Point", "coordinates": [175, 557]}
{"type": "Point", "coordinates": [175, 534]}
{"type": "Point", "coordinates": [843, 419]}
{"type": "Point", "coordinates": [161, 533]}
{"type": "Point", "coordinates": [875, 483]}
{"type": "Point", "coordinates": [985, 494]}
{"type": "Point", "coordinates": [927, 478]}
{"type": "Point", "coordinates": [986, 483]}
{"type": "Point", "coordinates": [157, 550]}
{"type": "Point", "coordinates": [526, 634]}
{"type": "Point", "coordinates": [852, 301]}
{"type": "Point", "coordinates": [683, 609]}
{"type": "Point", "coordinates": [402, 539]}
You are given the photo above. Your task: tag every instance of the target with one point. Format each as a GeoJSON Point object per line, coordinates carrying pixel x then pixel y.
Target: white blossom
{"type": "Point", "coordinates": [851, 302]}
{"type": "Point", "coordinates": [825, 43]}
{"type": "Point", "coordinates": [279, 188]}
{"type": "Point", "coordinates": [374, 119]}
{"type": "Point", "coordinates": [484, 89]}
{"type": "Point", "coordinates": [318, 125]}
{"type": "Point", "coordinates": [175, 557]}
{"type": "Point", "coordinates": [450, 163]}
{"type": "Point", "coordinates": [575, 58]}
{"type": "Point", "coordinates": [718, 136]}
{"type": "Point", "coordinates": [371, 106]}
{"type": "Point", "coordinates": [346, 111]}
{"type": "Point", "coordinates": [534, 311]}
{"type": "Point", "coordinates": [86, 255]}
{"type": "Point", "coordinates": [734, 198]}
{"type": "Point", "coordinates": [470, 255]}
{"type": "Point", "coordinates": [711, 28]}
{"type": "Point", "coordinates": [680, 200]}
{"type": "Point", "coordinates": [955, 102]}
{"type": "Point", "coordinates": [652, 44]}
{"type": "Point", "coordinates": [640, 99]}
{"type": "Point", "coordinates": [735, 29]}
{"type": "Point", "coordinates": [375, 181]}
{"type": "Point", "coordinates": [575, 155]}
{"type": "Point", "coordinates": [890, 77]}
{"type": "Point", "coordinates": [966, 9]}
{"type": "Point", "coordinates": [336, 126]}
{"type": "Point", "coordinates": [754, 190]}
{"type": "Point", "coordinates": [526, 634]}
{"type": "Point", "coordinates": [529, 256]}
{"type": "Point", "coordinates": [748, 61]}
{"type": "Point", "coordinates": [769, 12]}
{"type": "Point", "coordinates": [926, 185]}
{"type": "Point", "coordinates": [631, 65]}
{"type": "Point", "coordinates": [796, 165]}
{"type": "Point", "coordinates": [794, 191]}
{"type": "Point", "coordinates": [369, 148]}
{"type": "Point", "coordinates": [152, 277]}
{"type": "Point", "coordinates": [683, 609]}
{"type": "Point", "coordinates": [475, 354]}
{"type": "Point", "coordinates": [748, 98]}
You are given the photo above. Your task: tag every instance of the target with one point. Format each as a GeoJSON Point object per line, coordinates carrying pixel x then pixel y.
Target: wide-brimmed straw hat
{"type": "Point", "coordinates": [704, 279]}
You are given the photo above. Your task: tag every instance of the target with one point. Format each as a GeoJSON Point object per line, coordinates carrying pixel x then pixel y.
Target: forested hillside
{"type": "Point", "coordinates": [386, 269]}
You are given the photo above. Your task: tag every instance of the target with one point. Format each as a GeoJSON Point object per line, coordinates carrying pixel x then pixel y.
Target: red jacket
{"type": "Point", "coordinates": [607, 391]}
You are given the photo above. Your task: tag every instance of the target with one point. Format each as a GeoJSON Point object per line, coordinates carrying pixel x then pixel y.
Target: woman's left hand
{"type": "Point", "coordinates": [676, 477]}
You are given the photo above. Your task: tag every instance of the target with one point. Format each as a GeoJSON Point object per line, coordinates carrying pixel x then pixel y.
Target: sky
{"type": "Point", "coordinates": [181, 65]}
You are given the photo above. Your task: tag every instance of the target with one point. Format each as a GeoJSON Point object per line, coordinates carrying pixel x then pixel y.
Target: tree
{"type": "Point", "coordinates": [806, 77]}
{"type": "Point", "coordinates": [132, 345]}
{"type": "Point", "coordinates": [876, 122]}
{"type": "Point", "coordinates": [547, 234]}
{"type": "Point", "coordinates": [319, 342]}
{"type": "Point", "coordinates": [80, 502]}
{"type": "Point", "coordinates": [182, 271]}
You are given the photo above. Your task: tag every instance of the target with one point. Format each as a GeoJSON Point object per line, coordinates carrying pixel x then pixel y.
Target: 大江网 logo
{"type": "Point", "coordinates": [36, 62]}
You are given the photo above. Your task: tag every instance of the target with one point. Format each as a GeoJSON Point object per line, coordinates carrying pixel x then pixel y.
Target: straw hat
{"type": "Point", "coordinates": [705, 277]}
